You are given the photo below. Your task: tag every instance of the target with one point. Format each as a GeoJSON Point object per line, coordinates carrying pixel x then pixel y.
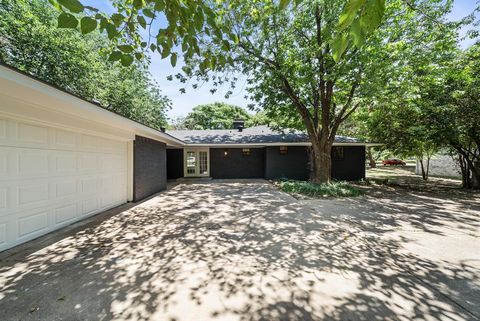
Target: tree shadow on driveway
{"type": "Point", "coordinates": [241, 250]}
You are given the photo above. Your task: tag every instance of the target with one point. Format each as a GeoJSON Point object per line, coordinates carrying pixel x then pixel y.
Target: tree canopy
{"type": "Point", "coordinates": [31, 41]}
{"type": "Point", "coordinates": [290, 51]}
{"type": "Point", "coordinates": [311, 63]}
{"type": "Point", "coordinates": [215, 116]}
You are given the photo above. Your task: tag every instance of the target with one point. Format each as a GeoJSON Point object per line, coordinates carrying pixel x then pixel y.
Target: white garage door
{"type": "Point", "coordinates": [51, 177]}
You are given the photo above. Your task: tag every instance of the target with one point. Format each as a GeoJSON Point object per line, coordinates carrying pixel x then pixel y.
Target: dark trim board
{"type": "Point", "coordinates": [149, 167]}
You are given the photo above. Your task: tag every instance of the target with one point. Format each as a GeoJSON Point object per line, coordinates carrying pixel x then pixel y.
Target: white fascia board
{"type": "Point", "coordinates": [16, 85]}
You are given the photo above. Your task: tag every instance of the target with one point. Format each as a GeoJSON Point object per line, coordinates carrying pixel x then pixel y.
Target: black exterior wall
{"type": "Point", "coordinates": [293, 165]}
{"type": "Point", "coordinates": [174, 163]}
{"type": "Point", "coordinates": [235, 164]}
{"type": "Point", "coordinates": [149, 167]}
{"type": "Point", "coordinates": [268, 163]}
{"type": "Point", "coordinates": [352, 166]}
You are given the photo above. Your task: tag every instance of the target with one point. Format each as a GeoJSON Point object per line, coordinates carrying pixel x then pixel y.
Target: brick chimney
{"type": "Point", "coordinates": [239, 124]}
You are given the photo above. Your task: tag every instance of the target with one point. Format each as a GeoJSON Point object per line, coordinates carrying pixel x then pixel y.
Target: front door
{"type": "Point", "coordinates": [196, 163]}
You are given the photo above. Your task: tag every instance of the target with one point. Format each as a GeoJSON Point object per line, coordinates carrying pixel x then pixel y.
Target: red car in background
{"type": "Point", "coordinates": [393, 162]}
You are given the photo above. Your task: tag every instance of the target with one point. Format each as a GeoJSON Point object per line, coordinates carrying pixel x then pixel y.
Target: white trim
{"type": "Point", "coordinates": [130, 170]}
{"type": "Point", "coordinates": [196, 150]}
{"type": "Point", "coordinates": [15, 85]}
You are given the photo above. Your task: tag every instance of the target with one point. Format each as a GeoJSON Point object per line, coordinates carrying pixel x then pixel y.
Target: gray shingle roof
{"type": "Point", "coordinates": [251, 135]}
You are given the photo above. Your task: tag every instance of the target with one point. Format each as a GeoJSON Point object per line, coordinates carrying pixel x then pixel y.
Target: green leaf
{"type": "Point", "coordinates": [349, 13]}
{"type": "Point", "coordinates": [159, 5]}
{"type": "Point", "coordinates": [138, 55]}
{"type": "Point", "coordinates": [165, 51]}
{"type": "Point", "coordinates": [73, 5]}
{"type": "Point", "coordinates": [225, 45]}
{"type": "Point", "coordinates": [173, 59]}
{"type": "Point", "coordinates": [357, 33]}
{"type": "Point", "coordinates": [115, 55]}
{"type": "Point", "coordinates": [67, 20]}
{"type": "Point", "coordinates": [117, 19]}
{"type": "Point", "coordinates": [284, 4]}
{"type": "Point", "coordinates": [339, 45]}
{"type": "Point", "coordinates": [126, 60]}
{"type": "Point", "coordinates": [125, 48]}
{"type": "Point", "coordinates": [148, 13]}
{"type": "Point", "coordinates": [111, 31]}
{"type": "Point", "coordinates": [372, 16]}
{"type": "Point", "coordinates": [142, 22]}
{"type": "Point", "coordinates": [138, 4]}
{"type": "Point", "coordinates": [55, 4]}
{"type": "Point", "coordinates": [87, 25]}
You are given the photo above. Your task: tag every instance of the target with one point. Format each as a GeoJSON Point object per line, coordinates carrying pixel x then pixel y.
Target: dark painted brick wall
{"type": "Point", "coordinates": [150, 167]}
{"type": "Point", "coordinates": [236, 165]}
{"type": "Point", "coordinates": [174, 163]}
{"type": "Point", "coordinates": [352, 167]}
{"type": "Point", "coordinates": [294, 165]}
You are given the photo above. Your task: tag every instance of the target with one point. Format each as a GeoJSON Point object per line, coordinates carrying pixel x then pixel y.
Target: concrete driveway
{"type": "Point", "coordinates": [241, 250]}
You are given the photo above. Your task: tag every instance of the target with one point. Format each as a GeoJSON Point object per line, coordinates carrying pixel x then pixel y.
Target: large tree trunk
{"type": "Point", "coordinates": [322, 162]}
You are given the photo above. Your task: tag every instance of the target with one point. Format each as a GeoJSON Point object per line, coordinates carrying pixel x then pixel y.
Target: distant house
{"type": "Point", "coordinates": [258, 152]}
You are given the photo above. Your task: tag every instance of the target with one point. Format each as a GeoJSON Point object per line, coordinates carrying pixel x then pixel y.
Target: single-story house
{"type": "Point", "coordinates": [63, 158]}
{"type": "Point", "coordinates": [258, 152]}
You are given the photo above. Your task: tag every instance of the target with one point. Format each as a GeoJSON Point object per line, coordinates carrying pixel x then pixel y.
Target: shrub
{"type": "Point", "coordinates": [335, 189]}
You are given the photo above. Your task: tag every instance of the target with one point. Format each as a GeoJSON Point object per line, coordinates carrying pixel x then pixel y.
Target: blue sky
{"type": "Point", "coordinates": [182, 104]}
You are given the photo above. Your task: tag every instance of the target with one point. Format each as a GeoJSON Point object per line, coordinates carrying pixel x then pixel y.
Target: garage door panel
{"type": "Point", "coordinates": [33, 223]}
{"type": "Point", "coordinates": [3, 234]}
{"type": "Point", "coordinates": [3, 129]}
{"type": "Point", "coordinates": [65, 162]}
{"type": "Point", "coordinates": [52, 177]}
{"type": "Point", "coordinates": [32, 194]}
{"type": "Point", "coordinates": [89, 206]}
{"type": "Point", "coordinates": [65, 139]}
{"type": "Point", "coordinates": [32, 162]}
{"type": "Point", "coordinates": [28, 134]}
{"type": "Point", "coordinates": [3, 198]}
{"type": "Point", "coordinates": [64, 214]}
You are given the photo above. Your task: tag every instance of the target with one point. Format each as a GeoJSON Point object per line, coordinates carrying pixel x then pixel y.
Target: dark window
{"type": "Point", "coordinates": [337, 153]}
{"type": "Point", "coordinates": [283, 150]}
{"type": "Point", "coordinates": [246, 151]}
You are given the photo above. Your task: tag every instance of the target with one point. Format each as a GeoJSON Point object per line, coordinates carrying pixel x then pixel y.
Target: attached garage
{"type": "Point", "coordinates": [52, 177]}
{"type": "Point", "coordinates": [63, 159]}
